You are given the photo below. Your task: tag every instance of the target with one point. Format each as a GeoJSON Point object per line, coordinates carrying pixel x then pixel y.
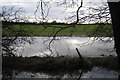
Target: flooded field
{"type": "Point", "coordinates": [88, 46]}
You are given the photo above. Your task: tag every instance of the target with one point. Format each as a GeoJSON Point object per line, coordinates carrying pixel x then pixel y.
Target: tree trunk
{"type": "Point", "coordinates": [114, 8]}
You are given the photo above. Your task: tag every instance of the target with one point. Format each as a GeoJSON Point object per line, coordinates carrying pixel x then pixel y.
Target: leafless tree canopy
{"type": "Point", "coordinates": [9, 15]}
{"type": "Point", "coordinates": [99, 14]}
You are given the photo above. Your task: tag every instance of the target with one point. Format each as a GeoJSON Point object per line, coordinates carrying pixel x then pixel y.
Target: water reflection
{"type": "Point", "coordinates": [66, 46]}
{"type": "Point", "coordinates": [96, 72]}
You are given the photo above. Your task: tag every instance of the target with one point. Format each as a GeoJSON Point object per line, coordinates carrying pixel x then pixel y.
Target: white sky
{"type": "Point", "coordinates": [56, 12]}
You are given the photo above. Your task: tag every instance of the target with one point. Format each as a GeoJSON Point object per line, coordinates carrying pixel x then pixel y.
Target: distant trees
{"type": "Point", "coordinates": [54, 21]}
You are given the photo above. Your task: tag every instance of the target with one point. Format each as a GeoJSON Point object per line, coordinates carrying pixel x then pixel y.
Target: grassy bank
{"type": "Point", "coordinates": [61, 63]}
{"type": "Point", "coordinates": [39, 30]}
{"type": "Point", "coordinates": [43, 63]}
{"type": "Point", "coordinates": [109, 62]}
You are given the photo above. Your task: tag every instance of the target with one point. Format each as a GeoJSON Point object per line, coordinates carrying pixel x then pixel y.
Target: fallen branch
{"type": "Point", "coordinates": [80, 56]}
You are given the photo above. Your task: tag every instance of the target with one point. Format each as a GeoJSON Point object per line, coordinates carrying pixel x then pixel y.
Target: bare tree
{"type": "Point", "coordinates": [97, 15]}
{"type": "Point", "coordinates": [12, 37]}
{"type": "Point", "coordinates": [115, 15]}
{"type": "Point", "coordinates": [101, 18]}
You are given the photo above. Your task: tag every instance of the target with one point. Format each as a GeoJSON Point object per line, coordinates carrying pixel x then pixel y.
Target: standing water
{"type": "Point", "coordinates": [96, 72]}
{"type": "Point", "coordinates": [88, 46]}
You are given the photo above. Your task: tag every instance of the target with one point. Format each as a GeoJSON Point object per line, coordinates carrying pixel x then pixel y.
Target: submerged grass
{"type": "Point", "coordinates": [60, 63]}
{"type": "Point", "coordinates": [42, 63]}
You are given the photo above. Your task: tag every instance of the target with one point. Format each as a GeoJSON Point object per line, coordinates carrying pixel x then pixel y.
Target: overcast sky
{"type": "Point", "coordinates": [59, 13]}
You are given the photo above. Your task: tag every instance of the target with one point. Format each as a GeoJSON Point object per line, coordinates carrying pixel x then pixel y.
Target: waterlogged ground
{"type": "Point", "coordinates": [96, 72]}
{"type": "Point", "coordinates": [88, 47]}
